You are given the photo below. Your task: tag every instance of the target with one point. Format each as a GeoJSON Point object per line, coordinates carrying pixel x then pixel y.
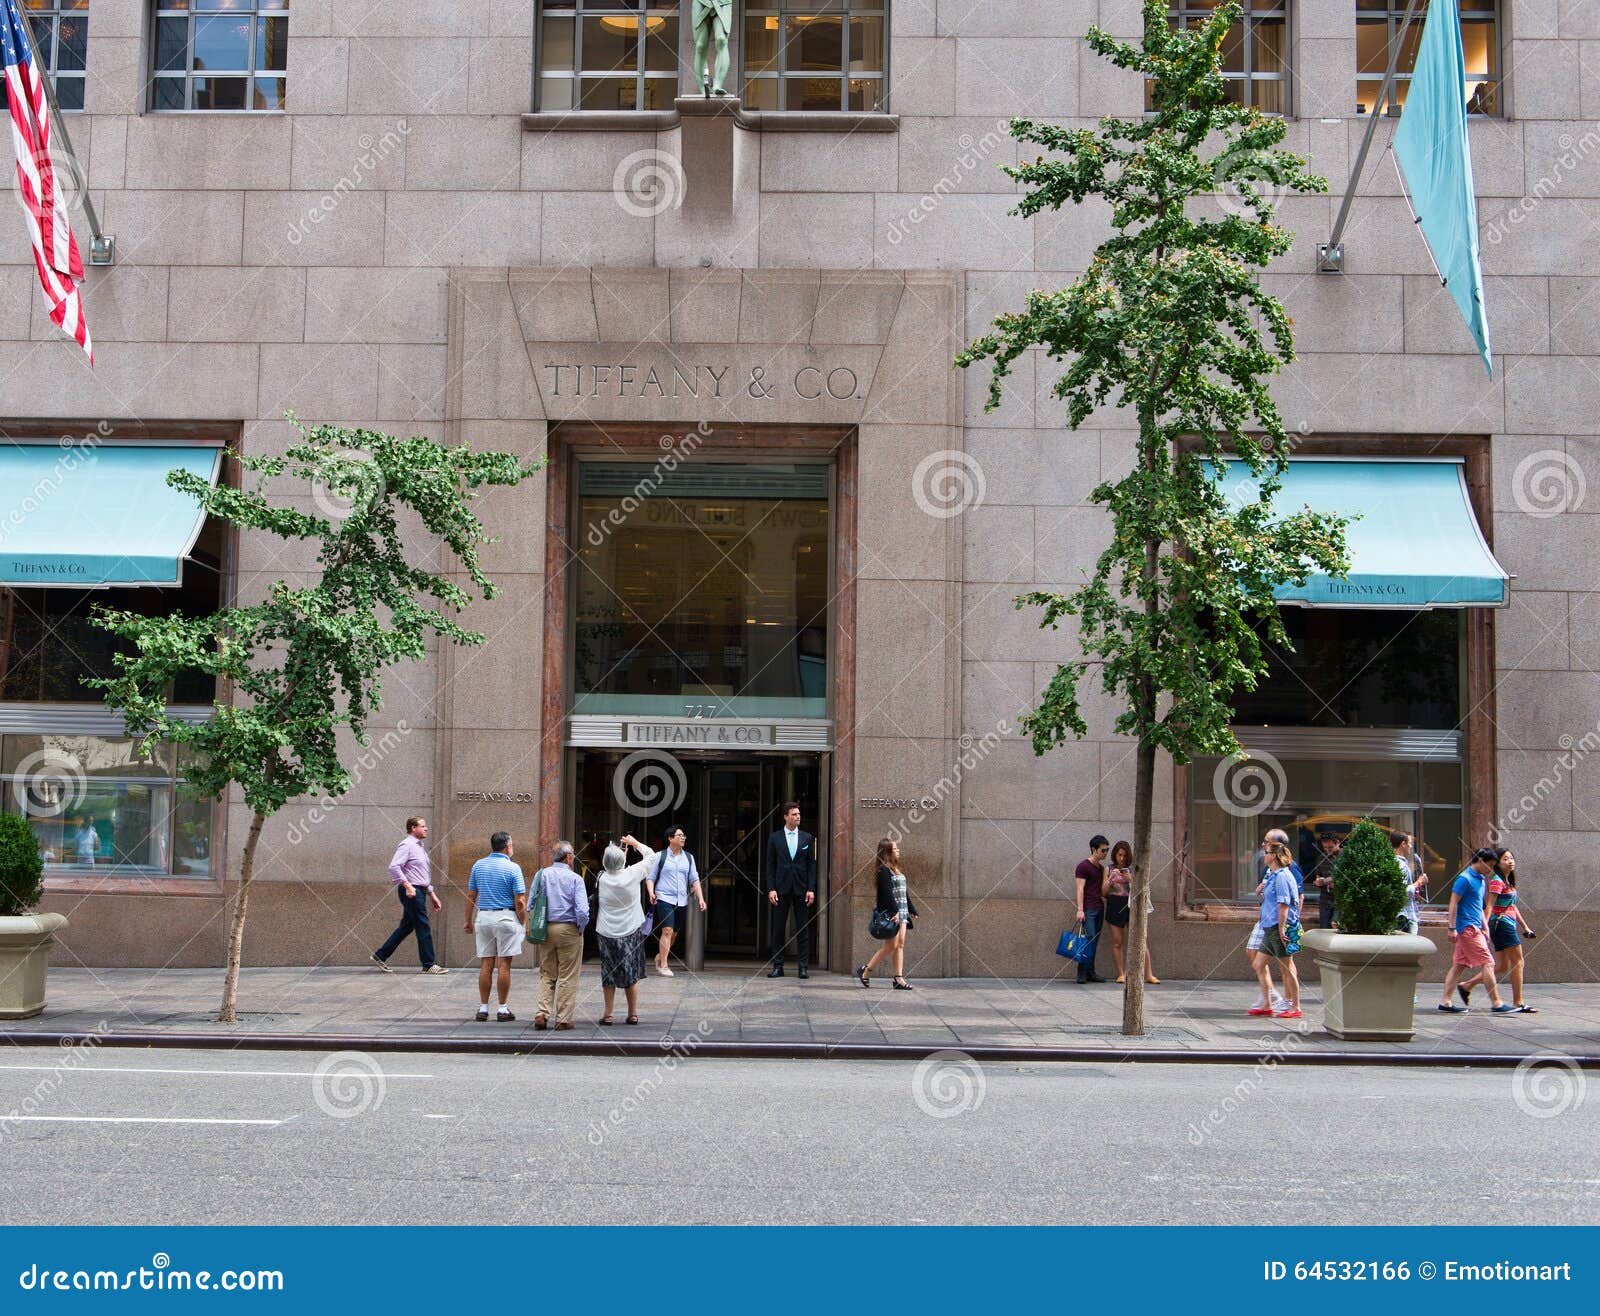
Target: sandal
{"type": "Point", "coordinates": [632, 1019]}
{"type": "Point", "coordinates": [607, 1022]}
{"type": "Point", "coordinates": [862, 976]}
{"type": "Point", "coordinates": [1527, 1009]}
{"type": "Point", "coordinates": [1153, 980]}
{"type": "Point", "coordinates": [901, 985]}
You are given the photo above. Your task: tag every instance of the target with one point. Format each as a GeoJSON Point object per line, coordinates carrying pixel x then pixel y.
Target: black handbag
{"type": "Point", "coordinates": [882, 926]}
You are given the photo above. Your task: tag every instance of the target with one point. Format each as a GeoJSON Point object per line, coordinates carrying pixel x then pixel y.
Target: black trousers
{"type": "Point", "coordinates": [796, 901]}
{"type": "Point", "coordinates": [413, 918]}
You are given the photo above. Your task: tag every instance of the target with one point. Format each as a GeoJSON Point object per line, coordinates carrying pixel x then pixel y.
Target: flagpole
{"type": "Point", "coordinates": [1330, 254]}
{"type": "Point", "coordinates": [103, 251]}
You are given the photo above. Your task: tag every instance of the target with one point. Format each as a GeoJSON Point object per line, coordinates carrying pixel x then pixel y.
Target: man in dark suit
{"type": "Point", "coordinates": [791, 885]}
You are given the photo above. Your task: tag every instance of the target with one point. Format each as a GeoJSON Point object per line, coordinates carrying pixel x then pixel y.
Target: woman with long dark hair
{"type": "Point", "coordinates": [1507, 926]}
{"type": "Point", "coordinates": [1118, 888]}
{"type": "Point", "coordinates": [894, 901]}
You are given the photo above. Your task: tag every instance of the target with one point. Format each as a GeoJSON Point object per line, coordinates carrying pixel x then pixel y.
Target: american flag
{"type": "Point", "coordinates": [55, 250]}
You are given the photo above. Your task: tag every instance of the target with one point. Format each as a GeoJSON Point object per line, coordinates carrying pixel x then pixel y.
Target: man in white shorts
{"type": "Point", "coordinates": [497, 903]}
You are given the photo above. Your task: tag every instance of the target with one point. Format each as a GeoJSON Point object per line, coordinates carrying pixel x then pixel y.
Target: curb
{"type": "Point", "coordinates": [654, 1050]}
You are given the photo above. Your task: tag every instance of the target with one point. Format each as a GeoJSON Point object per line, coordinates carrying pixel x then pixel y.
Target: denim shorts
{"type": "Point", "coordinates": [1504, 933]}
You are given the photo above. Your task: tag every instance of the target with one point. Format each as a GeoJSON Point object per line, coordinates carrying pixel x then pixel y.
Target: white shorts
{"type": "Point", "coordinates": [1258, 935]}
{"type": "Point", "coordinates": [499, 933]}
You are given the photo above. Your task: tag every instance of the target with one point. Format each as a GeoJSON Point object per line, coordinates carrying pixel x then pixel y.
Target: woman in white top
{"type": "Point", "coordinates": [619, 925]}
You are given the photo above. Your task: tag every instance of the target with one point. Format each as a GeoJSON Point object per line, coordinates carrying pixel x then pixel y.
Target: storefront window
{"type": "Point", "coordinates": [1349, 667]}
{"type": "Point", "coordinates": [1360, 720]}
{"type": "Point", "coordinates": [96, 805]}
{"type": "Point", "coordinates": [702, 592]}
{"type": "Point", "coordinates": [50, 646]}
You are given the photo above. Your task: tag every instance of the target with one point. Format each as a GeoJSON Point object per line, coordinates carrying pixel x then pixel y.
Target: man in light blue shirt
{"type": "Point", "coordinates": [497, 902]}
{"type": "Point", "coordinates": [668, 888]}
{"type": "Point", "coordinates": [561, 956]}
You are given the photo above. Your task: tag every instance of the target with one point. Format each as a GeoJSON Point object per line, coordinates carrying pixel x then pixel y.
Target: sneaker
{"type": "Point", "coordinates": [664, 971]}
{"type": "Point", "coordinates": [1279, 1003]}
{"type": "Point", "coordinates": [1452, 1009]}
{"type": "Point", "coordinates": [1465, 993]}
{"type": "Point", "coordinates": [1505, 1007]}
{"type": "Point", "coordinates": [383, 965]}
{"type": "Point", "coordinates": [436, 970]}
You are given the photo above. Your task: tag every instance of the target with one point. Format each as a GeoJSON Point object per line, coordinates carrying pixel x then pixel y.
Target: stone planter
{"type": "Point", "coordinates": [1369, 984]}
{"type": "Point", "coordinates": [24, 952]}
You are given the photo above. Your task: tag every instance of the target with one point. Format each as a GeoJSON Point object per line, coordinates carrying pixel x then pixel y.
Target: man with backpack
{"type": "Point", "coordinates": [669, 885]}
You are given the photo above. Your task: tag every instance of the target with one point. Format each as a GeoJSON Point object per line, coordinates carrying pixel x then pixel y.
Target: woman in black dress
{"type": "Point", "coordinates": [894, 900]}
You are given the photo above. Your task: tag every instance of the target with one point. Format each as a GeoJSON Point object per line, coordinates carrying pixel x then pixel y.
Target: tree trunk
{"type": "Point", "coordinates": [1144, 785]}
{"type": "Point", "coordinates": [241, 903]}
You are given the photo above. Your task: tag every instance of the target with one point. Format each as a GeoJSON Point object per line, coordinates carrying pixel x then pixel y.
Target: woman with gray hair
{"type": "Point", "coordinates": [620, 925]}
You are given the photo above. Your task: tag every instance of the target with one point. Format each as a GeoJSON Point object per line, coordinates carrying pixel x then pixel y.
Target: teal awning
{"type": "Point", "coordinates": [1417, 543]}
{"type": "Point", "coordinates": [89, 515]}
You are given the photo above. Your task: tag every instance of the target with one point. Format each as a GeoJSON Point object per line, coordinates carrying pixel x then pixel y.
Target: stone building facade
{"type": "Point", "coordinates": [420, 241]}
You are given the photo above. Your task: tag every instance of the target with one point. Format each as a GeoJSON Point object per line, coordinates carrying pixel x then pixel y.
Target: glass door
{"type": "Point", "coordinates": [731, 826]}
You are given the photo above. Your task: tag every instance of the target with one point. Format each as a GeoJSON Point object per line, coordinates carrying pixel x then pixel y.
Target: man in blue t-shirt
{"type": "Point", "coordinates": [1469, 930]}
{"type": "Point", "coordinates": [498, 894]}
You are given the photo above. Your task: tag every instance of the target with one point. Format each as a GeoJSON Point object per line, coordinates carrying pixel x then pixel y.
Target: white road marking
{"type": "Point", "coordinates": [226, 1073]}
{"type": "Point", "coordinates": [125, 1119]}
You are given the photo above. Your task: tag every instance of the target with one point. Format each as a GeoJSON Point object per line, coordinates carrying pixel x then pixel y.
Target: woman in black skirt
{"type": "Point", "coordinates": [894, 899]}
{"type": "Point", "coordinates": [1119, 882]}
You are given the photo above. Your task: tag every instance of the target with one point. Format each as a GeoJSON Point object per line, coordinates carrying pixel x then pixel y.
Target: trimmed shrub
{"type": "Point", "coordinates": [1369, 890]}
{"type": "Point", "coordinates": [21, 866]}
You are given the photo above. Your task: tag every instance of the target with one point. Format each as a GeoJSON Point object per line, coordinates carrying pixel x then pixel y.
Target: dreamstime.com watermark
{"type": "Point", "coordinates": [73, 1050]}
{"type": "Point", "coordinates": [77, 450]}
{"type": "Point", "coordinates": [947, 1084]}
{"type": "Point", "coordinates": [675, 448]}
{"type": "Point", "coordinates": [1247, 1087]}
{"type": "Point", "coordinates": [973, 752]}
{"type": "Point", "coordinates": [973, 153]}
{"type": "Point", "coordinates": [646, 1088]}
{"type": "Point", "coordinates": [1574, 750]}
{"type": "Point", "coordinates": [374, 151]}
{"type": "Point", "coordinates": [1548, 1086]}
{"type": "Point", "coordinates": [157, 1277]}
{"type": "Point", "coordinates": [1574, 152]}
{"type": "Point", "coordinates": [371, 755]}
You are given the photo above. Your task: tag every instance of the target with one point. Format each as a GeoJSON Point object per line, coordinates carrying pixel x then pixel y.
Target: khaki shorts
{"type": "Point", "coordinates": [499, 933]}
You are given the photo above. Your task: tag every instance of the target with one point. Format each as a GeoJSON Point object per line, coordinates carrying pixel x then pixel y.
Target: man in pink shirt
{"type": "Point", "coordinates": [412, 876]}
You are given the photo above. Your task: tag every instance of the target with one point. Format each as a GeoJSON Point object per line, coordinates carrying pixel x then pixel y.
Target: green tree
{"type": "Point", "coordinates": [307, 661]}
{"type": "Point", "coordinates": [1370, 889]}
{"type": "Point", "coordinates": [1170, 323]}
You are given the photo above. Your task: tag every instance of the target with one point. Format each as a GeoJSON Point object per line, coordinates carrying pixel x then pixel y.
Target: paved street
{"type": "Point", "coordinates": [260, 1139]}
{"type": "Point", "coordinates": [729, 1005]}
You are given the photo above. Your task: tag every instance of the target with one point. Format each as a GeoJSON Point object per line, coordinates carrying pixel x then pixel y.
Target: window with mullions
{"type": "Point", "coordinates": [608, 54]}
{"type": "Point", "coordinates": [1378, 23]}
{"type": "Point", "coordinates": [1255, 53]}
{"type": "Point", "coordinates": [61, 34]}
{"type": "Point", "coordinates": [219, 55]}
{"type": "Point", "coordinates": [815, 55]}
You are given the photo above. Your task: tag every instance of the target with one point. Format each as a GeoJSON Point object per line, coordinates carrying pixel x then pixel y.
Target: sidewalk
{"type": "Point", "coordinates": [741, 1012]}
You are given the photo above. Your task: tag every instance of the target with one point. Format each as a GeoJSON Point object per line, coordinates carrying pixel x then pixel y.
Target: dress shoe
{"type": "Point", "coordinates": [541, 1022]}
{"type": "Point", "coordinates": [804, 972]}
{"type": "Point", "coordinates": [776, 972]}
{"type": "Point", "coordinates": [562, 1028]}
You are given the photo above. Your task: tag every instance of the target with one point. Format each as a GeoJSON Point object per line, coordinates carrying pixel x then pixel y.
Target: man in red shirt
{"type": "Point", "coordinates": [1090, 875]}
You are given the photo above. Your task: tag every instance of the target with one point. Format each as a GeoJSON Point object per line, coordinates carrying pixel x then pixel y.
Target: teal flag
{"type": "Point", "coordinates": [1434, 154]}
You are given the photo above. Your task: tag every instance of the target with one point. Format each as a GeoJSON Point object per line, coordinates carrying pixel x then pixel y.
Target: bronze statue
{"type": "Point", "coordinates": [713, 22]}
